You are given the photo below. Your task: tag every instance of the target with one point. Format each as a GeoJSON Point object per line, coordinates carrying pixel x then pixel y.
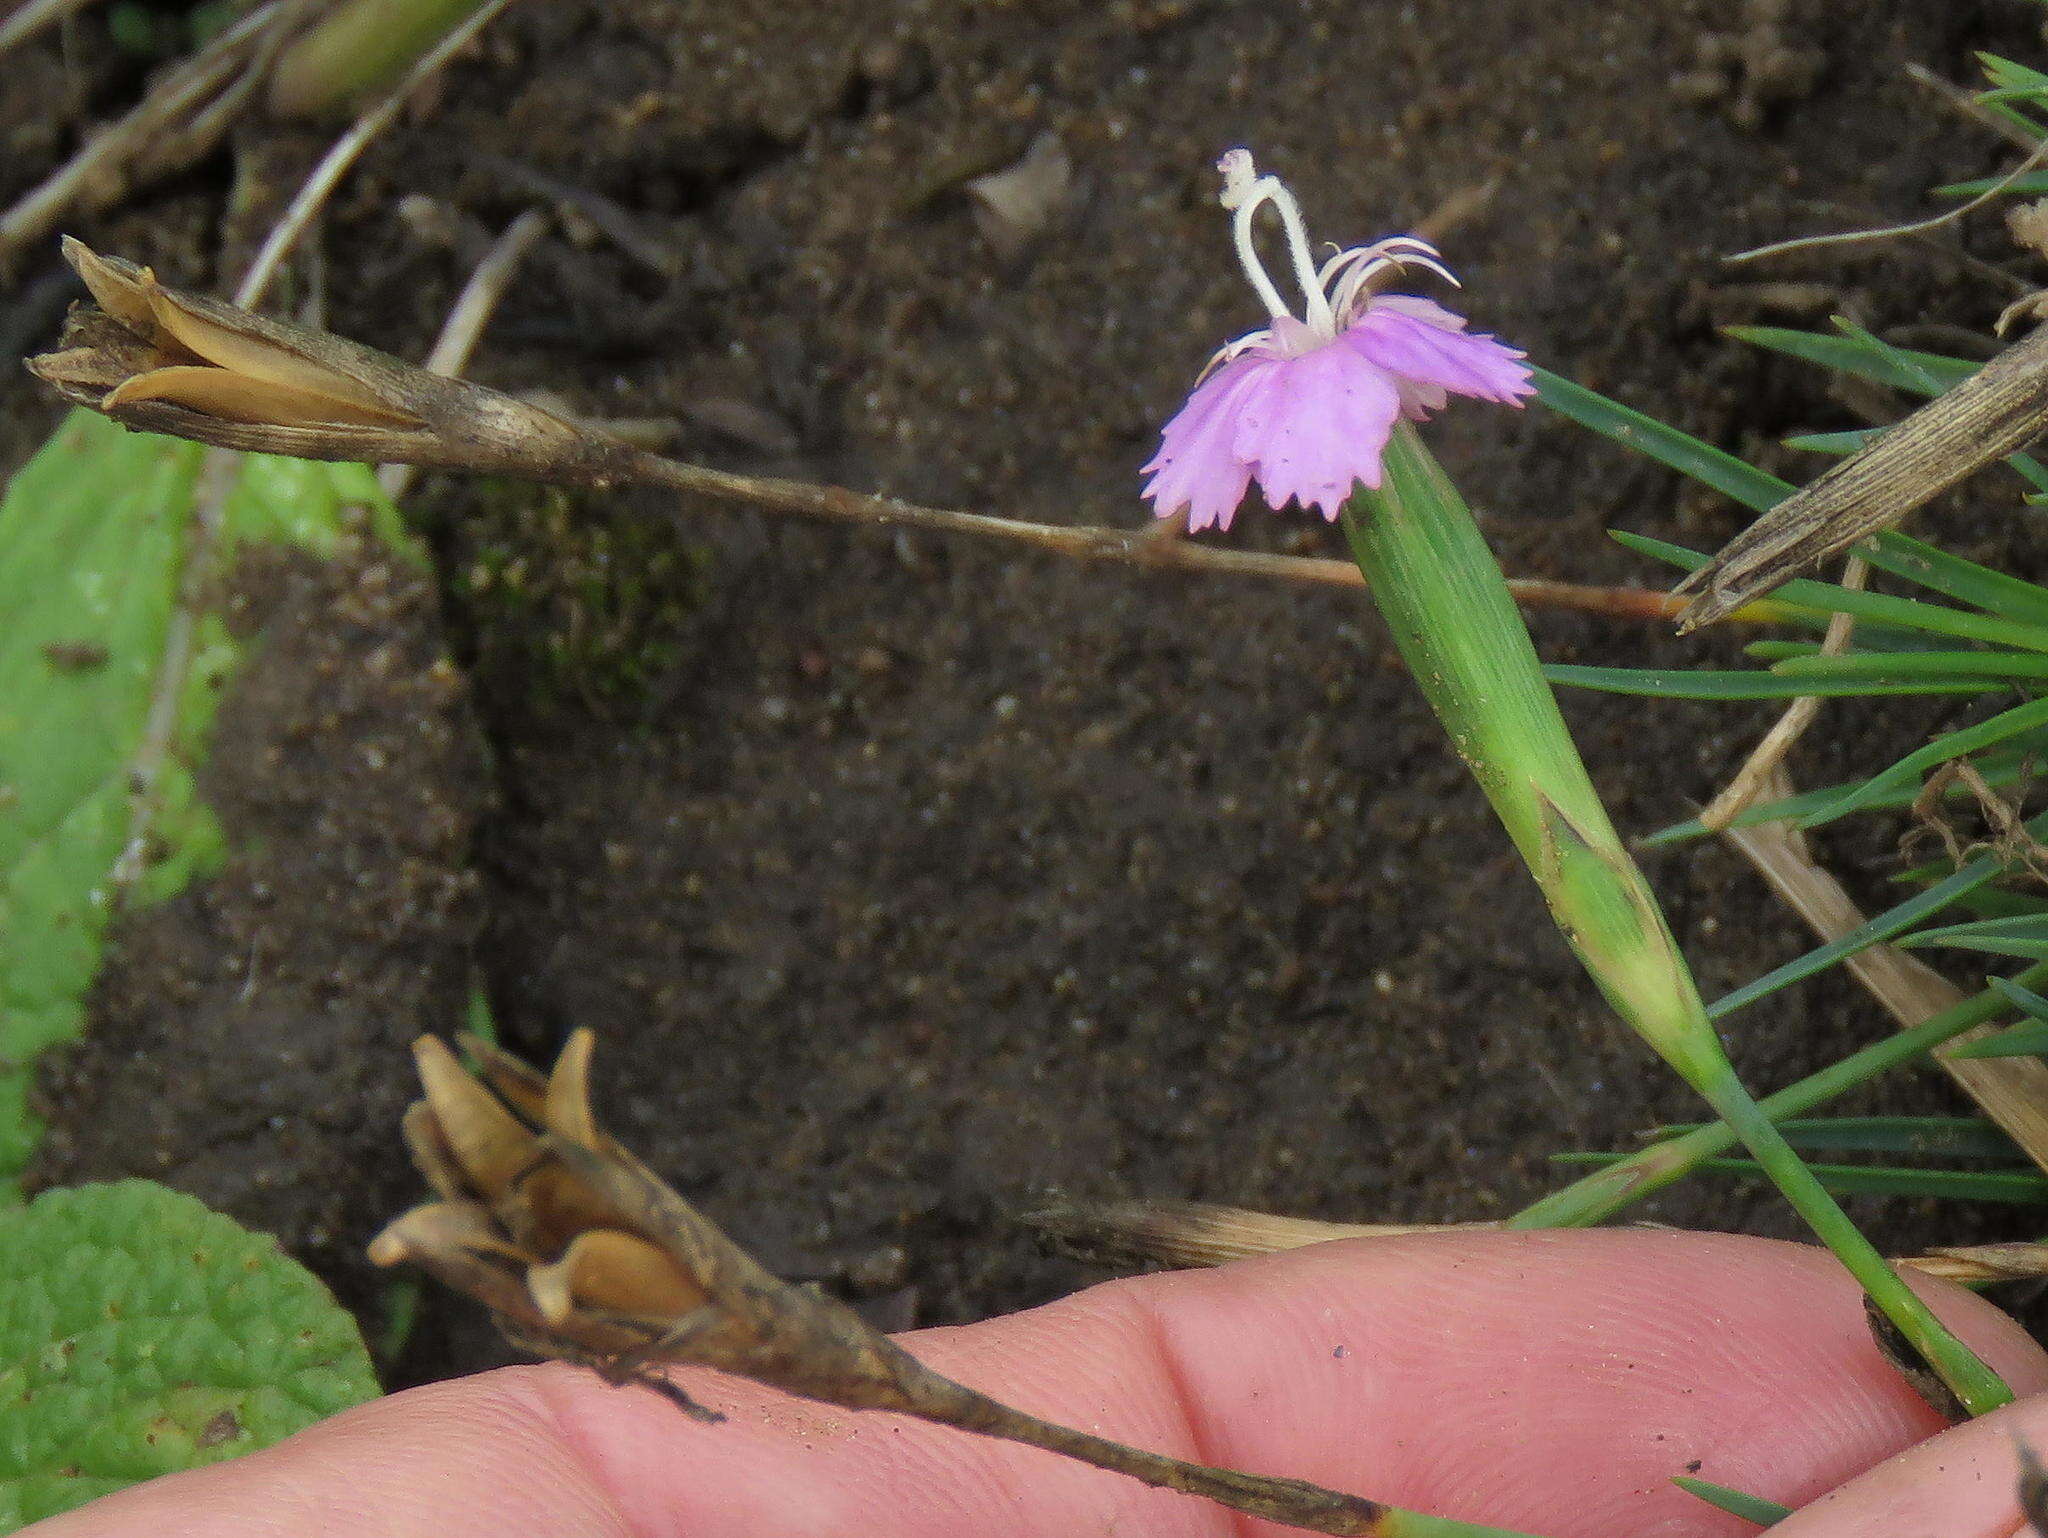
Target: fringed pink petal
{"type": "Point", "coordinates": [1425, 352]}
{"type": "Point", "coordinates": [1197, 467]}
{"type": "Point", "coordinates": [1318, 430]}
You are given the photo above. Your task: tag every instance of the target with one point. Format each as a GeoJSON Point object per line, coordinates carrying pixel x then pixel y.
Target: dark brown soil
{"type": "Point", "coordinates": [912, 881]}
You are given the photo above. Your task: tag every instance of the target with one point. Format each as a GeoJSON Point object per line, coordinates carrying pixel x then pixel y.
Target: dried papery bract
{"type": "Point", "coordinates": [584, 1254]}
{"type": "Point", "coordinates": [165, 360]}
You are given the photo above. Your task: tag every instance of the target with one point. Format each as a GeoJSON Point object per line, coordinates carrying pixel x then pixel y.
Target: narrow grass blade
{"type": "Point", "coordinates": [2003, 727]}
{"type": "Point", "coordinates": [1888, 925]}
{"type": "Point", "coordinates": [2019, 1187]}
{"type": "Point", "coordinates": [1828, 598]}
{"type": "Point", "coordinates": [2029, 1040]}
{"type": "Point", "coordinates": [1917, 373]}
{"type": "Point", "coordinates": [1953, 1137]}
{"type": "Point", "coordinates": [1717, 468]}
{"type": "Point", "coordinates": [1998, 769]}
{"type": "Point", "coordinates": [1989, 669]}
{"type": "Point", "coordinates": [1995, 592]}
{"type": "Point", "coordinates": [1599, 1196]}
{"type": "Point", "coordinates": [2026, 938]}
{"type": "Point", "coordinates": [1737, 1503]}
{"type": "Point", "coordinates": [1659, 683]}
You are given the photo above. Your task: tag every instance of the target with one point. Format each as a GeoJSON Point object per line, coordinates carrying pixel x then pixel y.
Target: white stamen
{"type": "Point", "coordinates": [1244, 191]}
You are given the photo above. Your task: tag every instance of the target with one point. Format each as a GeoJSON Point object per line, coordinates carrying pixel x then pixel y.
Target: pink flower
{"type": "Point", "coordinates": [1305, 406]}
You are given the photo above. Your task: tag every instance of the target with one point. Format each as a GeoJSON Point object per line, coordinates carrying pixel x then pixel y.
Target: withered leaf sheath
{"type": "Point", "coordinates": [1995, 412]}
{"type": "Point", "coordinates": [167, 361]}
{"type": "Point", "coordinates": [585, 1255]}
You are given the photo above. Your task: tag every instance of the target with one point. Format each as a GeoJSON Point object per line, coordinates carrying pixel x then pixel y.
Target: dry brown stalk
{"type": "Point", "coordinates": [167, 360]}
{"type": "Point", "coordinates": [583, 1254]}
{"type": "Point", "coordinates": [1997, 411]}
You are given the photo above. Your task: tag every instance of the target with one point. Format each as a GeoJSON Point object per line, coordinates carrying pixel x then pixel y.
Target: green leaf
{"type": "Point", "coordinates": [1847, 441]}
{"type": "Point", "coordinates": [1917, 373]}
{"type": "Point", "coordinates": [141, 1334]}
{"type": "Point", "coordinates": [1887, 925]}
{"type": "Point", "coordinates": [2030, 1003]}
{"type": "Point", "coordinates": [1959, 1137]}
{"type": "Point", "coordinates": [1858, 352]}
{"type": "Point", "coordinates": [1997, 769]}
{"type": "Point", "coordinates": [94, 535]}
{"type": "Point", "coordinates": [2023, 1187]}
{"type": "Point", "coordinates": [2003, 727]}
{"type": "Point", "coordinates": [1739, 685]}
{"type": "Point", "coordinates": [2029, 1040]}
{"type": "Point", "coordinates": [1751, 1508]}
{"type": "Point", "coordinates": [1804, 594]}
{"type": "Point", "coordinates": [1995, 592]}
{"type": "Point", "coordinates": [1688, 455]}
{"type": "Point", "coordinates": [1991, 670]}
{"type": "Point", "coordinates": [2025, 937]}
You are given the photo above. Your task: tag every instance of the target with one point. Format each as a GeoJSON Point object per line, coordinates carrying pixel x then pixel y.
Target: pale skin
{"type": "Point", "coordinates": [1551, 1382]}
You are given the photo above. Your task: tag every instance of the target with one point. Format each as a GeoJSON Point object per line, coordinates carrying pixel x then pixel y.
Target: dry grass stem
{"type": "Point", "coordinates": [1183, 1233]}
{"type": "Point", "coordinates": [2013, 1091]}
{"type": "Point", "coordinates": [32, 16]}
{"type": "Point", "coordinates": [471, 312]}
{"type": "Point", "coordinates": [184, 115]}
{"type": "Point", "coordinates": [583, 1254]}
{"type": "Point", "coordinates": [1995, 412]}
{"type": "Point", "coordinates": [170, 361]}
{"type": "Point", "coordinates": [2037, 154]}
{"type": "Point", "coordinates": [1741, 792]}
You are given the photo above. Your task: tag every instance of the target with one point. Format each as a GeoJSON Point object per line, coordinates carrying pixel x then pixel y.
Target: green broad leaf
{"type": "Point", "coordinates": [1663, 683]}
{"type": "Point", "coordinates": [93, 539]}
{"type": "Point", "coordinates": [1955, 1137]}
{"type": "Point", "coordinates": [1738, 1503]}
{"type": "Point", "coordinates": [2021, 1187]}
{"type": "Point", "coordinates": [2025, 937]}
{"type": "Point", "coordinates": [141, 1334]}
{"type": "Point", "coordinates": [2003, 727]}
{"type": "Point", "coordinates": [1682, 452]}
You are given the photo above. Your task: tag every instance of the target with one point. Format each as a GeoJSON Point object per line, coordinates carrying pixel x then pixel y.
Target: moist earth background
{"type": "Point", "coordinates": [914, 882]}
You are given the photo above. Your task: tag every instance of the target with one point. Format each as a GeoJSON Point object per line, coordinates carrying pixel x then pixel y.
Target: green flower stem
{"type": "Point", "coordinates": [1605, 1192]}
{"type": "Point", "coordinates": [1447, 605]}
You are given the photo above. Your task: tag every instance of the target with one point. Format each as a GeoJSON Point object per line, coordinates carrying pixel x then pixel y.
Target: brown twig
{"type": "Point", "coordinates": [165, 360]}
{"type": "Point", "coordinates": [31, 16]}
